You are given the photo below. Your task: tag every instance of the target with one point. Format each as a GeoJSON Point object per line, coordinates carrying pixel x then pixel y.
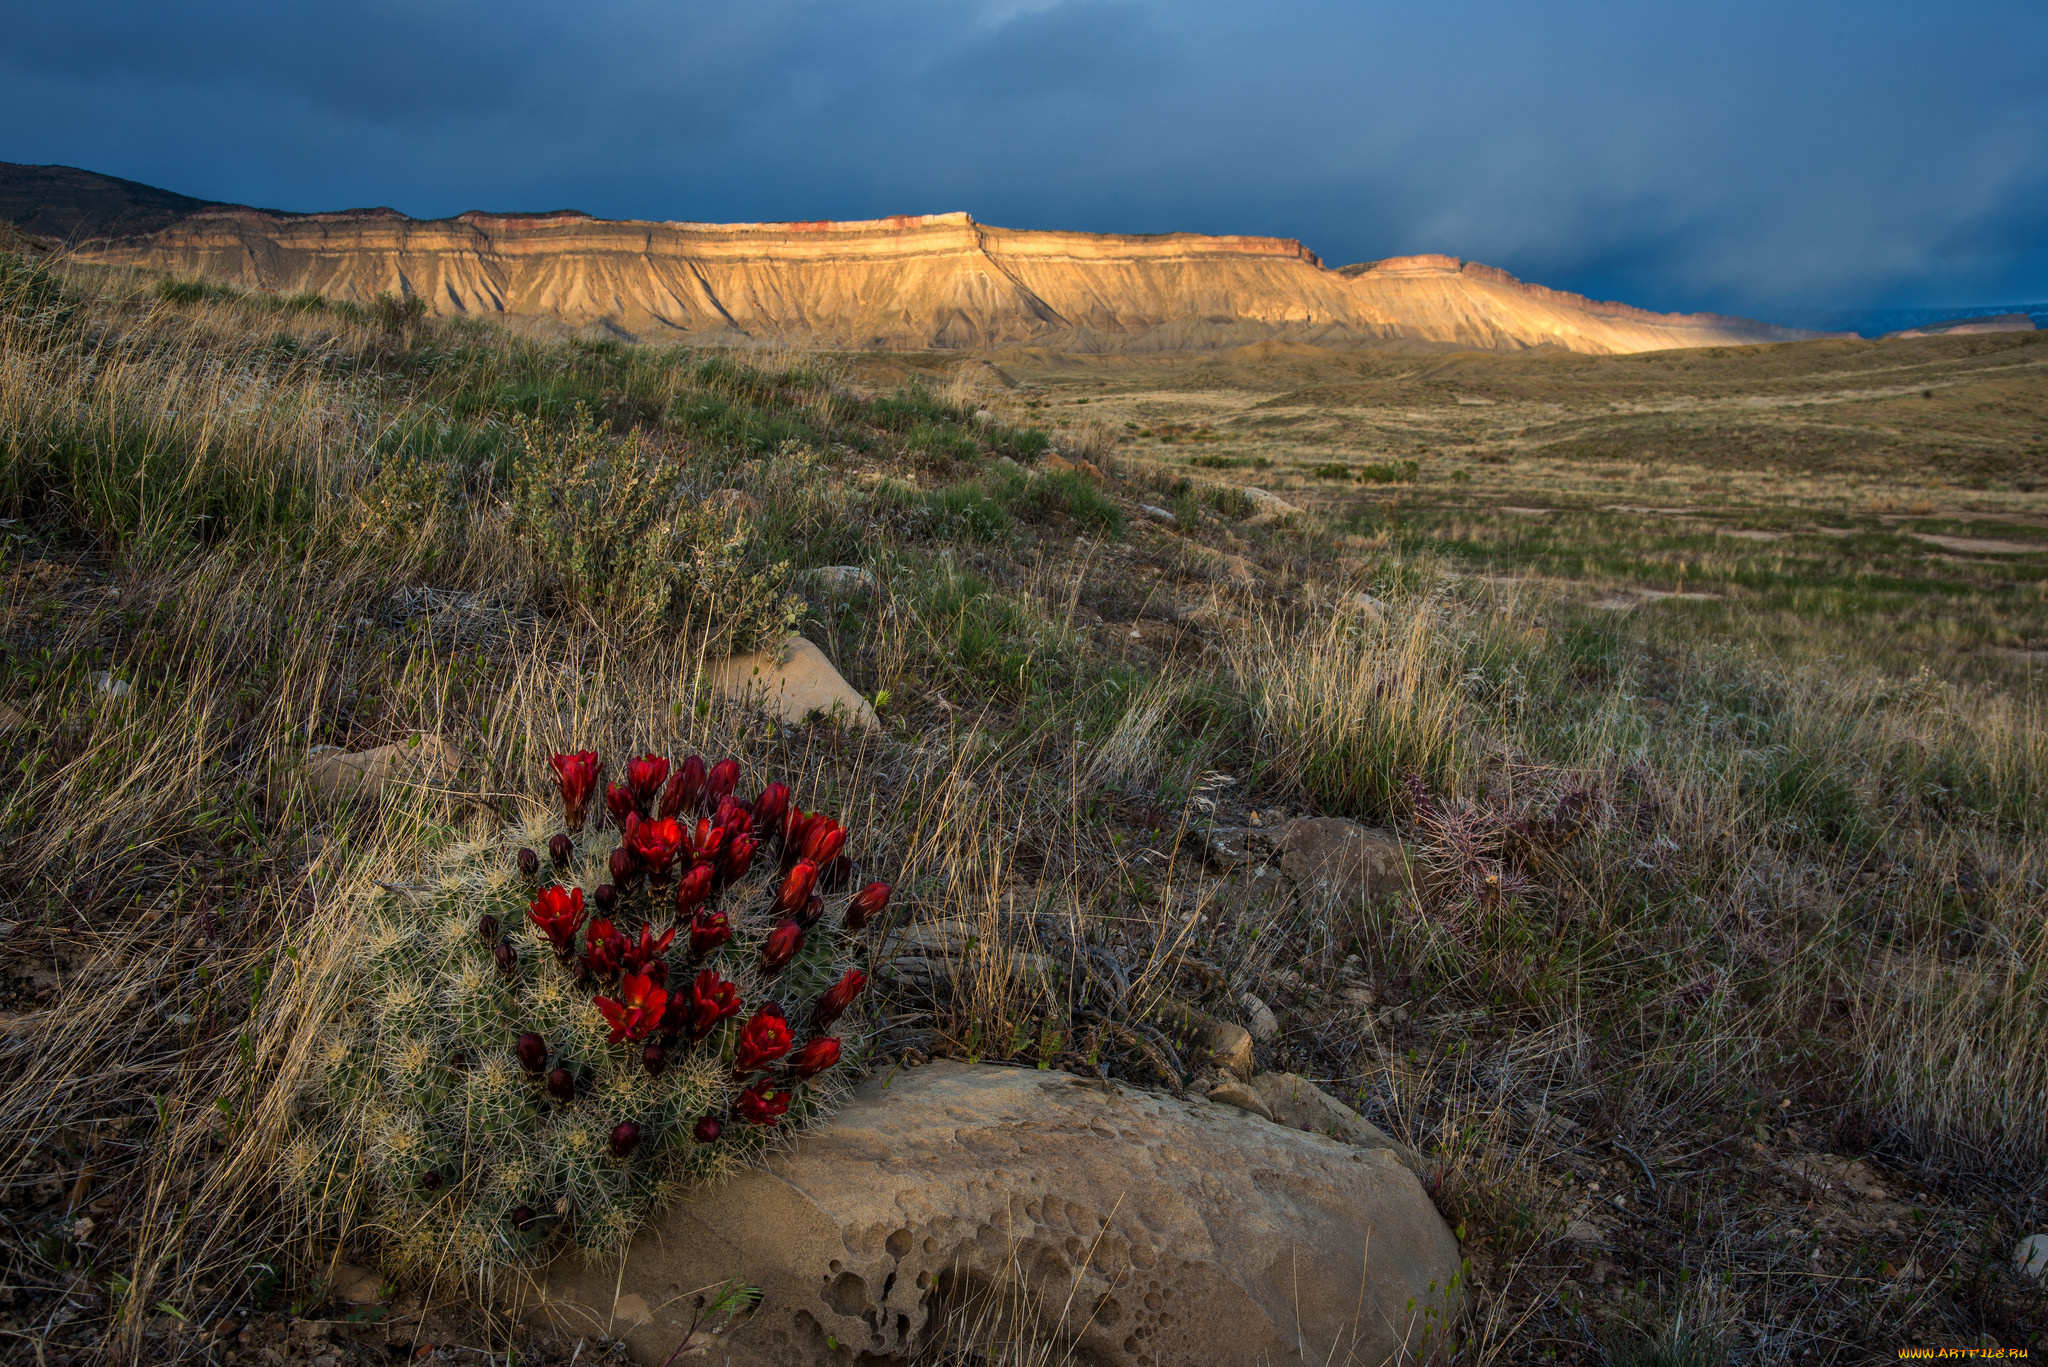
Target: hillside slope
{"type": "Point", "coordinates": [910, 282]}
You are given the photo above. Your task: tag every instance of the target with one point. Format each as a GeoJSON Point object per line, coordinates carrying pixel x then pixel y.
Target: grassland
{"type": "Point", "coordinates": [1720, 1005]}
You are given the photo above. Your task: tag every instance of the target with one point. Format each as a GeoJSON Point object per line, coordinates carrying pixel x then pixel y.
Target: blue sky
{"type": "Point", "coordinates": [1782, 160]}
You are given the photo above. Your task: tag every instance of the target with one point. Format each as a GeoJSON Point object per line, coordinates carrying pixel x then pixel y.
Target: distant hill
{"type": "Point", "coordinates": [911, 282]}
{"type": "Point", "coordinates": [71, 205]}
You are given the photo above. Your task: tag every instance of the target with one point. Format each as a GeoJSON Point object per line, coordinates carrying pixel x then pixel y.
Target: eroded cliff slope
{"type": "Point", "coordinates": [940, 280]}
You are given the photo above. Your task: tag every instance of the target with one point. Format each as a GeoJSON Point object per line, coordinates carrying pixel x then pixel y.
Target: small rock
{"type": "Point", "coordinates": [1262, 1023]}
{"type": "Point", "coordinates": [109, 685]}
{"type": "Point", "coordinates": [1364, 998]}
{"type": "Point", "coordinates": [1297, 1103]}
{"type": "Point", "coordinates": [357, 1285]}
{"type": "Point", "coordinates": [849, 580]}
{"type": "Point", "coordinates": [1053, 463]}
{"type": "Point", "coordinates": [1158, 514]}
{"type": "Point", "coordinates": [801, 685]}
{"type": "Point", "coordinates": [2030, 1257]}
{"type": "Point", "coordinates": [1231, 1092]}
{"type": "Point", "coordinates": [1368, 607]}
{"type": "Point", "coordinates": [1342, 858]}
{"type": "Point", "coordinates": [1584, 1233]}
{"type": "Point", "coordinates": [1270, 503]}
{"type": "Point", "coordinates": [1006, 463]}
{"type": "Point", "coordinates": [424, 759]}
{"type": "Point", "coordinates": [983, 416]}
{"type": "Point", "coordinates": [1231, 1047]}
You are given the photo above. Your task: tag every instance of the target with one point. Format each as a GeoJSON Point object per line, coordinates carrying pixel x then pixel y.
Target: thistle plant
{"type": "Point", "coordinates": [542, 1051]}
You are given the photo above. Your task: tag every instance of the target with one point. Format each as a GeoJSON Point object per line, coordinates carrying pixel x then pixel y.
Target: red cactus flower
{"type": "Point", "coordinates": [814, 1058]}
{"type": "Point", "coordinates": [866, 905]}
{"type": "Point", "coordinates": [604, 949]}
{"type": "Point", "coordinates": [684, 788]}
{"type": "Point", "coordinates": [558, 911]}
{"type": "Point", "coordinates": [625, 1138]}
{"type": "Point", "coordinates": [832, 1003]}
{"type": "Point", "coordinates": [796, 825]}
{"type": "Point", "coordinates": [693, 889]}
{"type": "Point", "coordinates": [645, 776]}
{"type": "Point", "coordinates": [708, 930]}
{"type": "Point", "coordinates": [723, 778]}
{"type": "Point", "coordinates": [637, 1011]}
{"type": "Point", "coordinates": [769, 809]}
{"type": "Point", "coordinates": [706, 841]}
{"type": "Point", "coordinates": [577, 775]}
{"type": "Point", "coordinates": [734, 816]}
{"type": "Point", "coordinates": [783, 944]}
{"type": "Point", "coordinates": [706, 1130]}
{"type": "Point", "coordinates": [739, 857]}
{"type": "Point", "coordinates": [763, 1039]}
{"type": "Point", "coordinates": [654, 843]}
{"type": "Point", "coordinates": [618, 800]}
{"type": "Point", "coordinates": [712, 999]}
{"type": "Point", "coordinates": [813, 912]}
{"type": "Point", "coordinates": [823, 841]}
{"type": "Point", "coordinates": [796, 888]}
{"type": "Point", "coordinates": [762, 1104]}
{"type": "Point", "coordinates": [647, 950]}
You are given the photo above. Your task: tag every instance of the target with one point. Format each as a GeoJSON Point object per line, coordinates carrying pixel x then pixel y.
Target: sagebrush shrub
{"type": "Point", "coordinates": [530, 1062]}
{"type": "Point", "coordinates": [609, 528]}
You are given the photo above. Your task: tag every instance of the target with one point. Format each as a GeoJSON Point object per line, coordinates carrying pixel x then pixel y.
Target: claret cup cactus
{"type": "Point", "coordinates": [538, 1056]}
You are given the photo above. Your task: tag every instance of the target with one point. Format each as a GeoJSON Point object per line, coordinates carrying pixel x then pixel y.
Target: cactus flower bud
{"type": "Point", "coordinates": [459, 1061]}
{"type": "Point", "coordinates": [532, 1051]}
{"type": "Point", "coordinates": [431, 1179]}
{"type": "Point", "coordinates": [529, 863]}
{"type": "Point", "coordinates": [707, 1130]}
{"type": "Point", "coordinates": [607, 898]}
{"type": "Point", "coordinates": [684, 788]}
{"type": "Point", "coordinates": [784, 943]}
{"type": "Point", "coordinates": [814, 1058]}
{"type": "Point", "coordinates": [561, 1086]}
{"type": "Point", "coordinates": [866, 905]}
{"type": "Point", "coordinates": [723, 778]}
{"type": "Point", "coordinates": [624, 869]}
{"type": "Point", "coordinates": [487, 928]}
{"type": "Point", "coordinates": [507, 957]}
{"type": "Point", "coordinates": [813, 912]}
{"type": "Point", "coordinates": [796, 888]}
{"type": "Point", "coordinates": [559, 849]}
{"type": "Point", "coordinates": [618, 800]}
{"type": "Point", "coordinates": [577, 775]}
{"type": "Point", "coordinates": [625, 1138]}
{"type": "Point", "coordinates": [654, 1058]}
{"type": "Point", "coordinates": [832, 1003]}
{"type": "Point", "coordinates": [769, 809]}
{"type": "Point", "coordinates": [521, 1217]}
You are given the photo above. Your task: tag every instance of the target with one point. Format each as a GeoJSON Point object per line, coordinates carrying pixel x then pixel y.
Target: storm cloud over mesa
{"type": "Point", "coordinates": [1734, 157]}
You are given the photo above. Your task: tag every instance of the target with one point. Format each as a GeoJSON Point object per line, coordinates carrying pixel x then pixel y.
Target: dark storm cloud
{"type": "Point", "coordinates": [1774, 159]}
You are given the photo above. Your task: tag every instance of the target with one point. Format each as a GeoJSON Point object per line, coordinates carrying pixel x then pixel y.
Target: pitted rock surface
{"type": "Point", "coordinates": [1187, 1233]}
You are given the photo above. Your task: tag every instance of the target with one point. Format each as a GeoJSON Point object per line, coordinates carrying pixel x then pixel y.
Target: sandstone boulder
{"type": "Point", "coordinates": [801, 684]}
{"type": "Point", "coordinates": [1147, 1229]}
{"type": "Point", "coordinates": [1342, 858]}
{"type": "Point", "coordinates": [1268, 503]}
{"type": "Point", "coordinates": [424, 759]}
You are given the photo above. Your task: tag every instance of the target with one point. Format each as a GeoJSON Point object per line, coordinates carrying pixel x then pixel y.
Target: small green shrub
{"type": "Point", "coordinates": [1022, 444]}
{"type": "Point", "coordinates": [965, 512]}
{"type": "Point", "coordinates": [609, 529]}
{"type": "Point", "coordinates": [1388, 472]}
{"type": "Point", "coordinates": [939, 444]}
{"type": "Point", "coordinates": [1332, 472]}
{"type": "Point", "coordinates": [1045, 497]}
{"type": "Point", "coordinates": [398, 316]}
{"type": "Point", "coordinates": [1230, 462]}
{"type": "Point", "coordinates": [1229, 500]}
